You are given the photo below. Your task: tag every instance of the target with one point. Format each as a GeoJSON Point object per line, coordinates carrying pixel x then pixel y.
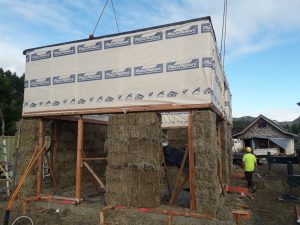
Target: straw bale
{"type": "Point", "coordinates": [134, 170]}
{"type": "Point", "coordinates": [177, 137]}
{"type": "Point", "coordinates": [206, 161]}
{"type": "Point", "coordinates": [147, 118]}
{"type": "Point", "coordinates": [229, 149]}
{"type": "Point", "coordinates": [28, 142]}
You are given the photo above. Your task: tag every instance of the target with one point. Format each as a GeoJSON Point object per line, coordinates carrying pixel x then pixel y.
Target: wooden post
{"type": "Point", "coordinates": [78, 162]}
{"type": "Point", "coordinates": [53, 156]}
{"type": "Point", "coordinates": [191, 163]}
{"type": "Point", "coordinates": [40, 159]}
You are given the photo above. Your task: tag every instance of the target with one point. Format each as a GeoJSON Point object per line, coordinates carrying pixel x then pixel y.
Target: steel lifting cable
{"type": "Point", "coordinates": [112, 4]}
{"type": "Point", "coordinates": [100, 16]}
{"type": "Point", "coordinates": [224, 31]}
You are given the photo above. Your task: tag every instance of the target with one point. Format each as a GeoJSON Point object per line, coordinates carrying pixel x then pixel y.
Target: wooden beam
{"type": "Point", "coordinates": [94, 175]}
{"type": "Point", "coordinates": [40, 158]}
{"type": "Point", "coordinates": [141, 108]}
{"type": "Point", "coordinates": [96, 158]}
{"type": "Point", "coordinates": [186, 177]}
{"type": "Point", "coordinates": [76, 118]}
{"type": "Point", "coordinates": [191, 163]}
{"type": "Point", "coordinates": [166, 171]}
{"type": "Point", "coordinates": [178, 178]}
{"type": "Point", "coordinates": [78, 157]}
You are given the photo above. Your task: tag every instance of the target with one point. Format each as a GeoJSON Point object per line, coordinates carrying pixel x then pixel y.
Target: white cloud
{"type": "Point", "coordinates": [11, 57]}
{"type": "Point", "coordinates": [253, 26]}
{"type": "Point", "coordinates": [279, 114]}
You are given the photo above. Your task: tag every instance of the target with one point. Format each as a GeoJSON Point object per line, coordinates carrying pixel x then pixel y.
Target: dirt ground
{"type": "Point", "coordinates": [266, 208]}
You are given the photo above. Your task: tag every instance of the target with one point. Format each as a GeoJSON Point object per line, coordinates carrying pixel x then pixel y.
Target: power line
{"type": "Point", "coordinates": [112, 4]}
{"type": "Point", "coordinates": [99, 18]}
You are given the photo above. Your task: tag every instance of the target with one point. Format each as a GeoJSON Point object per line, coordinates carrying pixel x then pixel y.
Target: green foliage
{"type": "Point", "coordinates": [11, 99]}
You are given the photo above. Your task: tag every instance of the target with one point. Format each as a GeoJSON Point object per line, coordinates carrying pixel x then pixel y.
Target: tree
{"type": "Point", "coordinates": [11, 99]}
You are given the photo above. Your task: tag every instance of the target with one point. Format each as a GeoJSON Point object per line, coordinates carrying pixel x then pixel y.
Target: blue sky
{"type": "Point", "coordinates": [263, 40]}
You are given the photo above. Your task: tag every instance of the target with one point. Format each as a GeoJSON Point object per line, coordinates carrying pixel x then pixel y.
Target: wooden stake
{"type": "Point", "coordinates": [40, 159]}
{"type": "Point", "coordinates": [178, 178]}
{"type": "Point", "coordinates": [78, 162]}
{"type": "Point", "coordinates": [191, 163]}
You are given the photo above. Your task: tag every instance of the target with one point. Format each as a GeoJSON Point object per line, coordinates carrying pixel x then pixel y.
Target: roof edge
{"type": "Point", "coordinates": [269, 121]}
{"type": "Point", "coordinates": [123, 33]}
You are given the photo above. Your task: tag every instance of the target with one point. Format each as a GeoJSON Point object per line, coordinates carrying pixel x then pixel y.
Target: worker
{"type": "Point", "coordinates": [249, 165]}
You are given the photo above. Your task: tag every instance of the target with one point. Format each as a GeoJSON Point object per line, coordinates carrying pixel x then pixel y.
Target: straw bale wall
{"type": "Point", "coordinates": [204, 135]}
{"type": "Point", "coordinates": [134, 172]}
{"type": "Point", "coordinates": [229, 148]}
{"type": "Point", "coordinates": [224, 151]}
{"type": "Point", "coordinates": [177, 137]}
{"type": "Point", "coordinates": [28, 141]}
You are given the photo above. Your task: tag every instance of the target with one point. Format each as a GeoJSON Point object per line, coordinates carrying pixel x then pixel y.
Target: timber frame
{"type": "Point", "coordinates": [81, 159]}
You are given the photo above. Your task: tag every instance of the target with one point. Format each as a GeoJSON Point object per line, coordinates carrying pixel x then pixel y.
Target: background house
{"type": "Point", "coordinates": [264, 135]}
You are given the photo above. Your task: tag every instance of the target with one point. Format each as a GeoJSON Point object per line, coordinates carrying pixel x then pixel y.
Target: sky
{"type": "Point", "coordinates": [262, 59]}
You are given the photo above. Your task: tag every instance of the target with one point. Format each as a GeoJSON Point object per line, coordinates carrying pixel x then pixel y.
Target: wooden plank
{"type": "Point", "coordinates": [178, 178]}
{"type": "Point", "coordinates": [181, 186]}
{"type": "Point", "coordinates": [75, 119]}
{"type": "Point", "coordinates": [238, 175]}
{"type": "Point", "coordinates": [40, 158]}
{"type": "Point", "coordinates": [142, 108]}
{"type": "Point", "coordinates": [94, 175]}
{"type": "Point", "coordinates": [96, 158]}
{"type": "Point", "coordinates": [78, 157]}
{"type": "Point", "coordinates": [191, 163]}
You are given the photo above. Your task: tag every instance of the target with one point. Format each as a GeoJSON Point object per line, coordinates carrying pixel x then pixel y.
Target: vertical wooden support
{"type": "Point", "coordinates": [53, 155]}
{"type": "Point", "coordinates": [220, 166]}
{"type": "Point", "coordinates": [191, 163]}
{"type": "Point", "coordinates": [40, 159]}
{"type": "Point", "coordinates": [78, 162]}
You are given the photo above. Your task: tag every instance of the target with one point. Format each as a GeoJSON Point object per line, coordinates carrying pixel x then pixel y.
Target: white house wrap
{"type": "Point", "coordinates": [175, 64]}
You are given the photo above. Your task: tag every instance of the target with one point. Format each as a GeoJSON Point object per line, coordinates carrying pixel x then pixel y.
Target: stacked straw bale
{"type": "Point", "coordinates": [207, 187]}
{"type": "Point", "coordinates": [229, 149]}
{"type": "Point", "coordinates": [134, 172]}
{"type": "Point", "coordinates": [224, 151]}
{"type": "Point", "coordinates": [65, 159]}
{"type": "Point", "coordinates": [28, 141]}
{"type": "Point", "coordinates": [177, 137]}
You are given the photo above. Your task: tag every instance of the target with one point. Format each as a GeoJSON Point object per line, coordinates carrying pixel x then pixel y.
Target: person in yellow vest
{"type": "Point", "coordinates": [249, 165]}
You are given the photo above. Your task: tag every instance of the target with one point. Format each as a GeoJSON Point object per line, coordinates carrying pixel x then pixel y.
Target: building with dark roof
{"type": "Point", "coordinates": [264, 135]}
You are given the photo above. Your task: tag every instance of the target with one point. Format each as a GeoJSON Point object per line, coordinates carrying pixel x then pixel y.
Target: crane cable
{"type": "Point", "coordinates": [223, 50]}
{"type": "Point", "coordinates": [112, 4]}
{"type": "Point", "coordinates": [100, 16]}
{"type": "Point", "coordinates": [224, 31]}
